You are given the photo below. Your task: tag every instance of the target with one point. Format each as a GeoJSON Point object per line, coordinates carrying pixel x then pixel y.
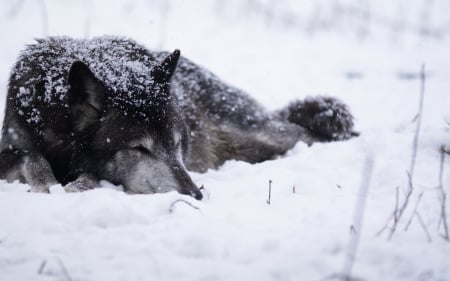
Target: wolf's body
{"type": "Point", "coordinates": [83, 110]}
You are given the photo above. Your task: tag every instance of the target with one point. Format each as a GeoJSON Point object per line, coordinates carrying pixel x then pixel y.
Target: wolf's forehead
{"type": "Point", "coordinates": [146, 141]}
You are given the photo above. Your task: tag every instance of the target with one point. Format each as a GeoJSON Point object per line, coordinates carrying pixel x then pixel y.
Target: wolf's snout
{"type": "Point", "coordinates": [196, 193]}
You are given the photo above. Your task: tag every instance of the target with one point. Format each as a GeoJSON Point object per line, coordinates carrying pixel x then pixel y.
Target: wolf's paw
{"type": "Point", "coordinates": [73, 187]}
{"type": "Point", "coordinates": [82, 183]}
{"type": "Point", "coordinates": [325, 117]}
{"type": "Point", "coordinates": [39, 189]}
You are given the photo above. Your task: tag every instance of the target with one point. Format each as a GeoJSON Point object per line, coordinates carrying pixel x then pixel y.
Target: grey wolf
{"type": "Point", "coordinates": [79, 111]}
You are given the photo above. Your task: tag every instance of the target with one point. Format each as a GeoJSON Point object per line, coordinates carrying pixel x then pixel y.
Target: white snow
{"type": "Point", "coordinates": [105, 234]}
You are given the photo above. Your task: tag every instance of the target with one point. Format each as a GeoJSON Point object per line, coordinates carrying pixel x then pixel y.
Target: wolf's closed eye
{"type": "Point", "coordinates": [141, 149]}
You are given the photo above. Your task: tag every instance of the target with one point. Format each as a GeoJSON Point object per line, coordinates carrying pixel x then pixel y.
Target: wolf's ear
{"type": "Point", "coordinates": [164, 71]}
{"type": "Point", "coordinates": [86, 96]}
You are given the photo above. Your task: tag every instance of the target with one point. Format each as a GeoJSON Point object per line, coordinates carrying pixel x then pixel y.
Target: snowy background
{"type": "Point", "coordinates": [367, 53]}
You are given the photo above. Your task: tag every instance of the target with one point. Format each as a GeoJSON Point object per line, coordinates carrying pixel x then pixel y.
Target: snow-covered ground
{"type": "Point", "coordinates": [105, 234]}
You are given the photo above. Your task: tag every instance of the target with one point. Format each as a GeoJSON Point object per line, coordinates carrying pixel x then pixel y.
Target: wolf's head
{"type": "Point", "coordinates": [137, 139]}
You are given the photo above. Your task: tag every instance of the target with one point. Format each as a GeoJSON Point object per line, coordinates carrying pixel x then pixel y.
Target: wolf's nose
{"type": "Point", "coordinates": [196, 194]}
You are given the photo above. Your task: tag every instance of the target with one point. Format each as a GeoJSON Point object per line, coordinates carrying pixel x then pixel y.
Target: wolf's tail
{"type": "Point", "coordinates": [326, 118]}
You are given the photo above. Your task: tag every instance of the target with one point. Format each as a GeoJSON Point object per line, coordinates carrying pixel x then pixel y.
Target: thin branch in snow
{"type": "Point", "coordinates": [358, 215]}
{"type": "Point", "coordinates": [353, 229]}
{"type": "Point", "coordinates": [386, 225]}
{"type": "Point", "coordinates": [394, 214]}
{"type": "Point", "coordinates": [443, 216]}
{"type": "Point", "coordinates": [399, 212]}
{"type": "Point", "coordinates": [42, 266]}
{"type": "Point", "coordinates": [419, 121]}
{"type": "Point", "coordinates": [397, 192]}
{"type": "Point", "coordinates": [444, 150]}
{"type": "Point", "coordinates": [425, 229]}
{"type": "Point", "coordinates": [419, 218]}
{"type": "Point", "coordinates": [439, 223]}
{"type": "Point", "coordinates": [412, 166]}
{"type": "Point", "coordinates": [172, 206]}
{"type": "Point", "coordinates": [394, 218]}
{"type": "Point", "coordinates": [270, 192]}
{"type": "Point", "coordinates": [414, 212]}
{"type": "Point", "coordinates": [64, 270]}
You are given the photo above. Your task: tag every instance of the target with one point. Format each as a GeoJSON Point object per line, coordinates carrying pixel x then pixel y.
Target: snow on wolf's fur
{"type": "Point", "coordinates": [129, 80]}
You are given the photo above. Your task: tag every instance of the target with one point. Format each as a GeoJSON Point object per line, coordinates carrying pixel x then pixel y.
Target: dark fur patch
{"type": "Point", "coordinates": [325, 117]}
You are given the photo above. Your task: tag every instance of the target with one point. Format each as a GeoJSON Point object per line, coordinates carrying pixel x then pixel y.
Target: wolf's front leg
{"type": "Point", "coordinates": [82, 183]}
{"type": "Point", "coordinates": [27, 167]}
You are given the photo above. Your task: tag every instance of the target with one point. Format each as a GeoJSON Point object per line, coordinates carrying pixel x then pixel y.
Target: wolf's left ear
{"type": "Point", "coordinates": [86, 96]}
{"type": "Point", "coordinates": [163, 72]}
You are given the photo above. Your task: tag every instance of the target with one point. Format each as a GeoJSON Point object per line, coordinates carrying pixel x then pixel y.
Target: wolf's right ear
{"type": "Point", "coordinates": [164, 71]}
{"type": "Point", "coordinates": [86, 96]}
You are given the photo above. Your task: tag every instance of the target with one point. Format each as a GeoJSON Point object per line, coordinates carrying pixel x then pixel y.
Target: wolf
{"type": "Point", "coordinates": [79, 111]}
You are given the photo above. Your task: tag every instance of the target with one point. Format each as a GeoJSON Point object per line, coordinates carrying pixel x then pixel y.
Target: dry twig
{"type": "Point", "coordinates": [414, 212]}
{"type": "Point", "coordinates": [61, 265]}
{"type": "Point", "coordinates": [443, 217]}
{"type": "Point", "coordinates": [419, 217]}
{"type": "Point", "coordinates": [42, 266]}
{"type": "Point", "coordinates": [419, 121]}
{"type": "Point", "coordinates": [172, 206]}
{"type": "Point", "coordinates": [270, 191]}
{"type": "Point", "coordinates": [64, 270]}
{"type": "Point", "coordinates": [395, 217]}
{"type": "Point", "coordinates": [422, 224]}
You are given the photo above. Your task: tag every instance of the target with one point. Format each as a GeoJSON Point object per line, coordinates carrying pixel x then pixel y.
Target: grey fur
{"type": "Point", "coordinates": [83, 110]}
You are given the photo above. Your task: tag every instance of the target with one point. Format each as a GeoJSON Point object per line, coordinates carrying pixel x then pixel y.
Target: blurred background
{"type": "Point", "coordinates": [368, 53]}
{"type": "Point", "coordinates": [276, 50]}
